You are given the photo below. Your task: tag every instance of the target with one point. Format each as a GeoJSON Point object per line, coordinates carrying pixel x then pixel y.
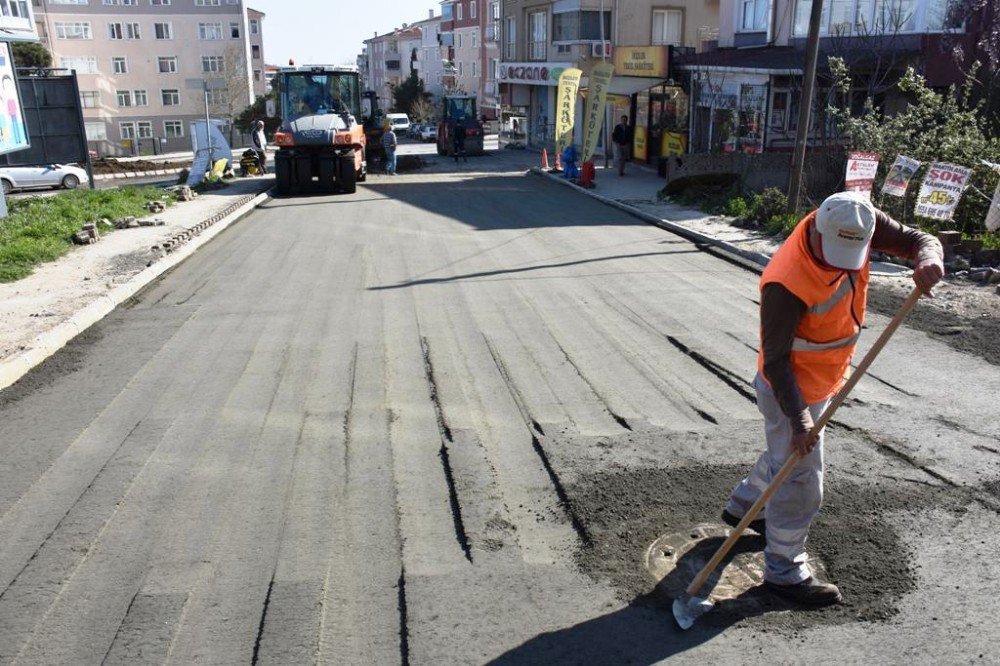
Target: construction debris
{"type": "Point", "coordinates": [155, 206]}
{"type": "Point", "coordinates": [88, 235]}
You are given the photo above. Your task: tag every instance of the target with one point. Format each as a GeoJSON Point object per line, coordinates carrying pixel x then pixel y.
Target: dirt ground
{"type": "Point", "coordinates": [105, 165]}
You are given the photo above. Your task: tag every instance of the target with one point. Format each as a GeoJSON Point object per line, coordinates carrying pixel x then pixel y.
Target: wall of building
{"type": "Point", "coordinates": [183, 48]}
{"type": "Point", "coordinates": [700, 21]}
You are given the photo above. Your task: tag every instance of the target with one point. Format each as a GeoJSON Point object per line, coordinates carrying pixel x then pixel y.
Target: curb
{"type": "Point", "coordinates": [123, 175]}
{"type": "Point", "coordinates": [51, 341]}
{"type": "Point", "coordinates": [757, 258]}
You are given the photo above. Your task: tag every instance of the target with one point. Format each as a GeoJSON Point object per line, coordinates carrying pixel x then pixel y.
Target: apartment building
{"type": "Point", "coordinates": [432, 57]}
{"type": "Point", "coordinates": [390, 58]}
{"type": "Point", "coordinates": [143, 65]}
{"type": "Point", "coordinates": [489, 55]}
{"type": "Point", "coordinates": [746, 92]}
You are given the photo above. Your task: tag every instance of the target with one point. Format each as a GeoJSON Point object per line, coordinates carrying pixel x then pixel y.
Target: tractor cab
{"type": "Point", "coordinates": [460, 109]}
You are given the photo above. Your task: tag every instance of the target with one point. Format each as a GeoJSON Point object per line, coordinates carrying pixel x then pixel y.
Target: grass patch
{"type": "Point", "coordinates": [40, 229]}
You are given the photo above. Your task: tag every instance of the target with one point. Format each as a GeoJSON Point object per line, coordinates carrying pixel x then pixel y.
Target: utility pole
{"type": "Point", "coordinates": [604, 56]}
{"type": "Point", "coordinates": [805, 107]}
{"type": "Point", "coordinates": [208, 129]}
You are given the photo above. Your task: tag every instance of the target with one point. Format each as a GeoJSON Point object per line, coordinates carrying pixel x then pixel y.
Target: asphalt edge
{"type": "Point", "coordinates": [48, 343]}
{"type": "Point", "coordinates": [755, 261]}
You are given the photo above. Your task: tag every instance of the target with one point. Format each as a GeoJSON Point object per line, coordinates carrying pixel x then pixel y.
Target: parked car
{"type": "Point", "coordinates": [49, 175]}
{"type": "Point", "coordinates": [428, 133]}
{"type": "Point", "coordinates": [400, 122]}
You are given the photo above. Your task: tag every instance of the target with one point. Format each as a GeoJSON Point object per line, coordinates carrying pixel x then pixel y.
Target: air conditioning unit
{"type": "Point", "coordinates": [601, 49]}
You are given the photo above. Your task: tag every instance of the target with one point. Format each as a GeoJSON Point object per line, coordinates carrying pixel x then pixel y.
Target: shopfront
{"type": "Point", "coordinates": [528, 94]}
{"type": "Point", "coordinates": [657, 108]}
{"type": "Point", "coordinates": [730, 112]}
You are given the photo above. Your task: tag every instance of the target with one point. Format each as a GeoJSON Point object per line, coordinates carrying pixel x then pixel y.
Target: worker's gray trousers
{"type": "Point", "coordinates": [792, 508]}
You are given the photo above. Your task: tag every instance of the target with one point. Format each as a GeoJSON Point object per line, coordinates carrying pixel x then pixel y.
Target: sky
{"type": "Point", "coordinates": [331, 31]}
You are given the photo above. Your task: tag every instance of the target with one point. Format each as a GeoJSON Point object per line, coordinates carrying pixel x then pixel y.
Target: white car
{"type": "Point", "coordinates": [428, 133]}
{"type": "Point", "coordinates": [400, 122]}
{"type": "Point", "coordinates": [50, 175]}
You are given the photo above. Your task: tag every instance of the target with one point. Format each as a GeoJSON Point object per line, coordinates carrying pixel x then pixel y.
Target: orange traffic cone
{"type": "Point", "coordinates": [558, 166]}
{"type": "Point", "coordinates": [545, 159]}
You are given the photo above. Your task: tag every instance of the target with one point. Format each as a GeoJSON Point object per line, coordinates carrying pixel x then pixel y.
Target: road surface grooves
{"type": "Point", "coordinates": [439, 421]}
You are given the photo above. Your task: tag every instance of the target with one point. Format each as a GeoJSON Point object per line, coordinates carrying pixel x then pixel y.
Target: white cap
{"type": "Point", "coordinates": [846, 223]}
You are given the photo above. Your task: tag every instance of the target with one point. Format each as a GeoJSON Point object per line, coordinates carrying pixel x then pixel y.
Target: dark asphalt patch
{"type": "Point", "coordinates": [854, 536]}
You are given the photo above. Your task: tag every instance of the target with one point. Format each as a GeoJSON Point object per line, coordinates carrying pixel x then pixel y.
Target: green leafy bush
{"type": "Point", "coordinates": [737, 207]}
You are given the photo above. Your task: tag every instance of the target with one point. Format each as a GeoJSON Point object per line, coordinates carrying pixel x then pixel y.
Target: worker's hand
{"type": "Point", "coordinates": [927, 274]}
{"type": "Point", "coordinates": [801, 444]}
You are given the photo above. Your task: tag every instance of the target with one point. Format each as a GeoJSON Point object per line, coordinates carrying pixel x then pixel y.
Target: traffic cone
{"type": "Point", "coordinates": [545, 159]}
{"type": "Point", "coordinates": [558, 166]}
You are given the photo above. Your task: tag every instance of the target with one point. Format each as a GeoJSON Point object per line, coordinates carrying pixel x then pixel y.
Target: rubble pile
{"type": "Point", "coordinates": [967, 259]}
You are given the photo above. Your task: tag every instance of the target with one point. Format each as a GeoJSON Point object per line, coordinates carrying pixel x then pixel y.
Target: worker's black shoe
{"type": "Point", "coordinates": [757, 525]}
{"type": "Point", "coordinates": [809, 592]}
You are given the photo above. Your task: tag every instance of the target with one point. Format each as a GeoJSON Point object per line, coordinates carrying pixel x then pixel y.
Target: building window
{"type": "Point", "coordinates": [210, 31]}
{"type": "Point", "coordinates": [144, 129]}
{"type": "Point", "coordinates": [254, 27]}
{"type": "Point", "coordinates": [123, 31]}
{"type": "Point", "coordinates": [509, 38]}
{"type": "Point", "coordinates": [119, 65]}
{"type": "Point", "coordinates": [461, 70]}
{"type": "Point", "coordinates": [90, 99]}
{"type": "Point", "coordinates": [668, 26]}
{"type": "Point", "coordinates": [127, 130]}
{"type": "Point", "coordinates": [167, 64]}
{"type": "Point", "coordinates": [753, 15]}
{"type": "Point", "coordinates": [82, 64]}
{"type": "Point", "coordinates": [62, 2]}
{"type": "Point", "coordinates": [140, 98]}
{"type": "Point", "coordinates": [537, 35]}
{"type": "Point", "coordinates": [173, 129]}
{"type": "Point", "coordinates": [881, 17]}
{"type": "Point", "coordinates": [458, 11]}
{"type": "Point", "coordinates": [159, 3]}
{"type": "Point", "coordinates": [212, 64]}
{"type": "Point", "coordinates": [207, 3]}
{"type": "Point", "coordinates": [256, 75]}
{"type": "Point", "coordinates": [255, 51]}
{"type": "Point", "coordinates": [215, 96]}
{"type": "Point", "coordinates": [234, 30]}
{"type": "Point", "coordinates": [163, 30]}
{"type": "Point", "coordinates": [170, 97]}
{"type": "Point", "coordinates": [73, 30]}
{"type": "Point", "coordinates": [129, 3]}
{"type": "Point", "coordinates": [475, 69]}
{"type": "Point", "coordinates": [458, 40]}
{"type": "Point", "coordinates": [124, 98]}
{"type": "Point", "coordinates": [472, 9]}
{"type": "Point", "coordinates": [580, 26]}
{"type": "Point", "coordinates": [96, 131]}
{"type": "Point", "coordinates": [475, 39]}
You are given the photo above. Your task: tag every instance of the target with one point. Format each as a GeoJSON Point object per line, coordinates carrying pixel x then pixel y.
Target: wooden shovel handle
{"type": "Point", "coordinates": [793, 460]}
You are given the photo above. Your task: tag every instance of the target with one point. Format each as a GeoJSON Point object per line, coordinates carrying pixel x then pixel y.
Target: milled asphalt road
{"type": "Point", "coordinates": [371, 428]}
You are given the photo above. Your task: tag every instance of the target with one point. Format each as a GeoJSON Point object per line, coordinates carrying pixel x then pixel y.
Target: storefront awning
{"type": "Point", "coordinates": [630, 85]}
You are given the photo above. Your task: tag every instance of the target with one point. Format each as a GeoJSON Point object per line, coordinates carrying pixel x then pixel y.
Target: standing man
{"type": "Point", "coordinates": [458, 140]}
{"type": "Point", "coordinates": [812, 306]}
{"type": "Point", "coordinates": [621, 137]}
{"type": "Point", "coordinates": [260, 145]}
{"type": "Point", "coordinates": [389, 143]}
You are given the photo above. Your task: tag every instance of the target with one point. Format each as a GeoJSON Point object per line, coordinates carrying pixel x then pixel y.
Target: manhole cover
{"type": "Point", "coordinates": [675, 559]}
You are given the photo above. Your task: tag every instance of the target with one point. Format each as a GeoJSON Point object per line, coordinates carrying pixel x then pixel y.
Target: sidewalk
{"type": "Point", "coordinates": [42, 312]}
{"type": "Point", "coordinates": [636, 193]}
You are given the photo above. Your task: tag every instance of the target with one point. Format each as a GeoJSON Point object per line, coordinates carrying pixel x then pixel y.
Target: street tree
{"type": "Point", "coordinates": [409, 91]}
{"type": "Point", "coordinates": [30, 55]}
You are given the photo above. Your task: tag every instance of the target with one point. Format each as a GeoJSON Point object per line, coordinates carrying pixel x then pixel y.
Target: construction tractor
{"type": "Point", "coordinates": [321, 144]}
{"type": "Point", "coordinates": [373, 121]}
{"type": "Point", "coordinates": [460, 108]}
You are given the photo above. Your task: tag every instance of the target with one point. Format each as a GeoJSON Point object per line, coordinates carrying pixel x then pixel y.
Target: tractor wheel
{"type": "Point", "coordinates": [348, 175]}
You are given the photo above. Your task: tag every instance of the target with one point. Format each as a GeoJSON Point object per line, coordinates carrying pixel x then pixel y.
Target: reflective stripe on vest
{"type": "Point", "coordinates": [801, 344]}
{"type": "Point", "coordinates": [842, 290]}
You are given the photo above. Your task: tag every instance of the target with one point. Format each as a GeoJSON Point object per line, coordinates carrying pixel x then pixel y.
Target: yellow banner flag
{"type": "Point", "coordinates": [569, 86]}
{"type": "Point", "coordinates": [593, 111]}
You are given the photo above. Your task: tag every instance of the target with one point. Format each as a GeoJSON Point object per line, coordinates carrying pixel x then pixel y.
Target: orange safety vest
{"type": "Point", "coordinates": [828, 332]}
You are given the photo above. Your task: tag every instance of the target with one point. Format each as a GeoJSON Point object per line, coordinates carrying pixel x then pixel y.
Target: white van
{"type": "Point", "coordinates": [400, 122]}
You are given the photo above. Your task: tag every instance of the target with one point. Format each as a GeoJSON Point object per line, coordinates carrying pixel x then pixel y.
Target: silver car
{"type": "Point", "coordinates": [49, 175]}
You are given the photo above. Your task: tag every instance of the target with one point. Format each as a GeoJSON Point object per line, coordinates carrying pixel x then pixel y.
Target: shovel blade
{"type": "Point", "coordinates": [688, 609]}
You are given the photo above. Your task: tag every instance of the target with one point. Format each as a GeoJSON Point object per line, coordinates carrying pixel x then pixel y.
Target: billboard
{"type": "Point", "coordinates": [54, 120]}
{"type": "Point", "coordinates": [13, 131]}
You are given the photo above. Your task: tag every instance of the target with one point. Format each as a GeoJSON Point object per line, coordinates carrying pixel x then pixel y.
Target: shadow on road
{"type": "Point", "coordinates": [644, 631]}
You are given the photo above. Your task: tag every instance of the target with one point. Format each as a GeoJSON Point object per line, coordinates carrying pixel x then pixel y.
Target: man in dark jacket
{"type": "Point", "coordinates": [458, 140]}
{"type": "Point", "coordinates": [621, 139]}
{"type": "Point", "coordinates": [260, 145]}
